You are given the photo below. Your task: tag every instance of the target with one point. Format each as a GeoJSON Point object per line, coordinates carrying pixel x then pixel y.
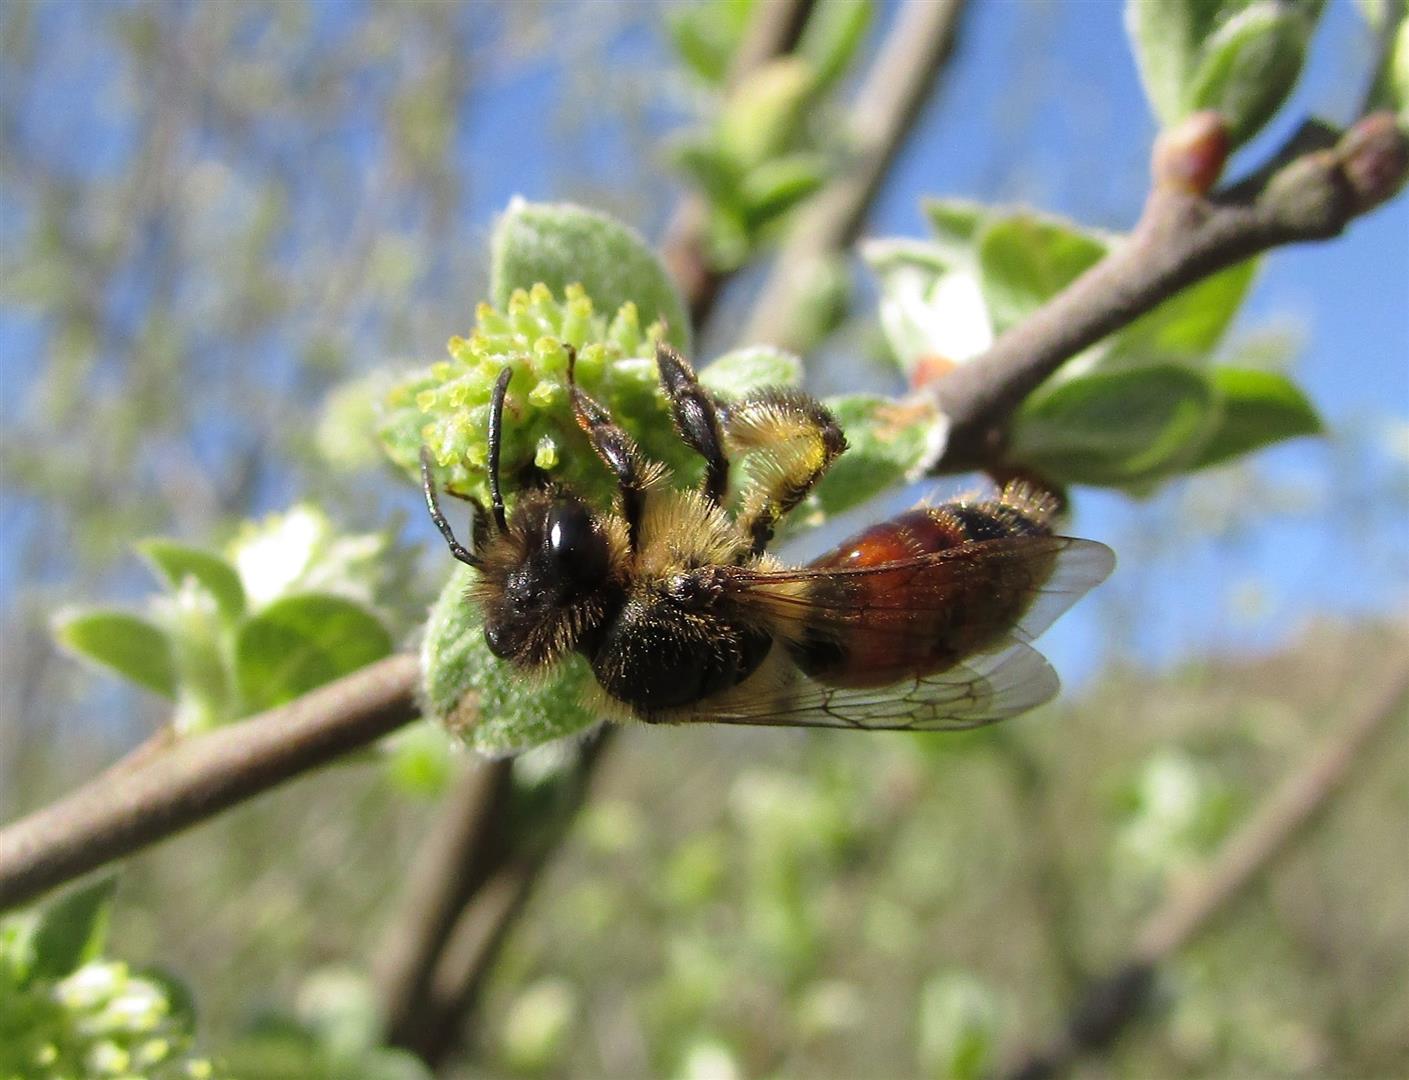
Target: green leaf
{"type": "Point", "coordinates": [1241, 57]}
{"type": "Point", "coordinates": [1025, 260]}
{"type": "Point", "coordinates": [420, 760]}
{"type": "Point", "coordinates": [1258, 408]}
{"type": "Point", "coordinates": [741, 370]}
{"type": "Point", "coordinates": [1394, 88]}
{"type": "Point", "coordinates": [179, 998]}
{"type": "Point", "coordinates": [780, 183]}
{"type": "Point", "coordinates": [1249, 66]}
{"type": "Point", "coordinates": [1188, 325]}
{"type": "Point", "coordinates": [301, 642]}
{"type": "Point", "coordinates": [1167, 37]}
{"type": "Point", "coordinates": [560, 244]}
{"type": "Point", "coordinates": [764, 113]}
{"type": "Point", "coordinates": [492, 706]}
{"type": "Point", "coordinates": [1115, 428]}
{"type": "Point", "coordinates": [707, 166]}
{"type": "Point", "coordinates": [900, 255]}
{"type": "Point", "coordinates": [133, 647]}
{"type": "Point", "coordinates": [887, 443]}
{"type": "Point", "coordinates": [73, 929]}
{"type": "Point", "coordinates": [955, 223]}
{"type": "Point", "coordinates": [177, 562]}
{"type": "Point", "coordinates": [834, 31]}
{"type": "Point", "coordinates": [707, 35]}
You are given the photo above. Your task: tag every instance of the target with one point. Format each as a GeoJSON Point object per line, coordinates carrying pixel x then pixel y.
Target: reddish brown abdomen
{"type": "Point", "coordinates": [925, 615]}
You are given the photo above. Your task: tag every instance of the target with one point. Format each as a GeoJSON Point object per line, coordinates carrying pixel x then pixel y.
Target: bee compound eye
{"type": "Point", "coordinates": [577, 547]}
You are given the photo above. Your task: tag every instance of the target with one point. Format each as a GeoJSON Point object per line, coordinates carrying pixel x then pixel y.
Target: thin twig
{"type": "Point", "coordinates": [468, 956]}
{"type": "Point", "coordinates": [775, 29]}
{"type": "Point", "coordinates": [454, 861]}
{"type": "Point", "coordinates": [1182, 237]}
{"type": "Point", "coordinates": [1110, 1005]}
{"type": "Point", "coordinates": [898, 84]}
{"type": "Point", "coordinates": [124, 811]}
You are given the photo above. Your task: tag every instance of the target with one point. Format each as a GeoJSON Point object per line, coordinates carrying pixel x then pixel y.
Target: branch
{"type": "Point", "coordinates": [1110, 1005]}
{"type": "Point", "coordinates": [468, 955]}
{"type": "Point", "coordinates": [897, 86]}
{"type": "Point", "coordinates": [775, 29]}
{"type": "Point", "coordinates": [1184, 235]}
{"type": "Point", "coordinates": [454, 861]}
{"type": "Point", "coordinates": [126, 809]}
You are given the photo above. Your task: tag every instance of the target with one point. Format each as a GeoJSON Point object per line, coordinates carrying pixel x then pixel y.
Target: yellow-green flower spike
{"type": "Point", "coordinates": [446, 407]}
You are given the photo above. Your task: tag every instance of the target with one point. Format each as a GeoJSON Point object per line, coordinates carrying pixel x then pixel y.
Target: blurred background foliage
{"type": "Point", "coordinates": [220, 222]}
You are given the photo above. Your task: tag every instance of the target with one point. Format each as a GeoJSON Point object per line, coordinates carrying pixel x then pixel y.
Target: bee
{"type": "Point", "coordinates": [920, 622]}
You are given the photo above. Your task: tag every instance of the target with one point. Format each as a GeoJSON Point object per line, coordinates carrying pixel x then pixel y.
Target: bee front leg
{"type": "Point", "coordinates": [792, 440]}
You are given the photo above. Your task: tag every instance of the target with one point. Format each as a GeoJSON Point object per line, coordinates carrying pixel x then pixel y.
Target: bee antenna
{"type": "Point", "coordinates": [572, 363]}
{"type": "Point", "coordinates": [496, 437]}
{"type": "Point", "coordinates": [433, 505]}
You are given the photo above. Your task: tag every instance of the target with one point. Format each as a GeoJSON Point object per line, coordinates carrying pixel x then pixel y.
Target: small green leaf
{"type": "Point", "coordinates": [180, 1000]}
{"type": "Point", "coordinates": [133, 647]}
{"type": "Point", "coordinates": [1258, 408]}
{"type": "Point", "coordinates": [741, 370]}
{"type": "Point", "coordinates": [764, 113]}
{"type": "Point", "coordinates": [1240, 57]}
{"type": "Point", "coordinates": [824, 300]}
{"type": "Point", "coordinates": [301, 642]}
{"type": "Point", "coordinates": [1249, 66]}
{"type": "Point", "coordinates": [1115, 428]}
{"type": "Point", "coordinates": [705, 163]}
{"type": "Point", "coordinates": [707, 35]}
{"type": "Point", "coordinates": [958, 1024]}
{"type": "Point", "coordinates": [900, 255]}
{"type": "Point", "coordinates": [491, 705]}
{"type": "Point", "coordinates": [1167, 37]}
{"type": "Point", "coordinates": [1395, 88]}
{"type": "Point", "coordinates": [887, 443]}
{"type": "Point", "coordinates": [559, 244]}
{"type": "Point", "coordinates": [780, 183]}
{"type": "Point", "coordinates": [834, 31]}
{"type": "Point", "coordinates": [1025, 260]}
{"type": "Point", "coordinates": [1188, 325]}
{"type": "Point", "coordinates": [420, 760]}
{"type": "Point", "coordinates": [955, 223]}
{"type": "Point", "coordinates": [73, 929]}
{"type": "Point", "coordinates": [177, 562]}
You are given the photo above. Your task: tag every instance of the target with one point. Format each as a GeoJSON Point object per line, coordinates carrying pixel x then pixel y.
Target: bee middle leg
{"type": "Point", "coordinates": [792, 440]}
{"type": "Point", "coordinates": [618, 451]}
{"type": "Point", "coordinates": [696, 419]}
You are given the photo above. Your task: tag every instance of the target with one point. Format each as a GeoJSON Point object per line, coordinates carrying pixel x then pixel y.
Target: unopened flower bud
{"type": "Point", "coordinates": [1189, 157]}
{"type": "Point", "coordinates": [1374, 157]}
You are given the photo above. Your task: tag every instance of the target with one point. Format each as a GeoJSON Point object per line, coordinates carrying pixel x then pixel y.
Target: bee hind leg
{"type": "Point", "coordinates": [792, 440]}
{"type": "Point", "coordinates": [696, 420]}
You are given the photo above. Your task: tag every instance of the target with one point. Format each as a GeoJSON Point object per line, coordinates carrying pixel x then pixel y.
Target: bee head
{"type": "Point", "coordinates": [546, 588]}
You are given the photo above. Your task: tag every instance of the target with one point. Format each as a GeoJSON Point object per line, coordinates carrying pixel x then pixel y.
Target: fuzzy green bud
{"type": "Point", "coordinates": [446, 407]}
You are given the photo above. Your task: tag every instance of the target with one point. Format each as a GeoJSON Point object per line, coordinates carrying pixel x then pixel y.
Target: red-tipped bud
{"type": "Point", "coordinates": [930, 367]}
{"type": "Point", "coordinates": [1374, 158]}
{"type": "Point", "coordinates": [1189, 157]}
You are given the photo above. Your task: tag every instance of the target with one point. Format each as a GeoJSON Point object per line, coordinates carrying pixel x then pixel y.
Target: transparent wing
{"type": "Point", "coordinates": [983, 690]}
{"type": "Point", "coordinates": [1011, 588]}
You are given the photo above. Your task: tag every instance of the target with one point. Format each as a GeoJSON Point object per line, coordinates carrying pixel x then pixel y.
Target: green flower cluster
{"type": "Point", "coordinates": [101, 1020]}
{"type": "Point", "coordinates": [447, 407]}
